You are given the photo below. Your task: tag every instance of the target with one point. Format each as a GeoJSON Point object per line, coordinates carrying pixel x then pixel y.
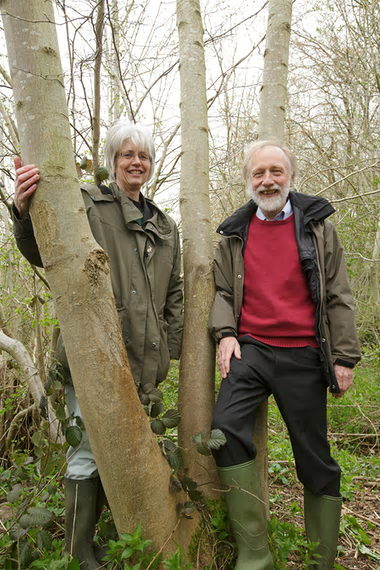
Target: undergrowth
{"type": "Point", "coordinates": [32, 503]}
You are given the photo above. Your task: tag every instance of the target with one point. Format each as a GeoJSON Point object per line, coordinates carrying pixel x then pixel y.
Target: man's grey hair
{"type": "Point", "coordinates": [120, 132]}
{"type": "Point", "coordinates": [258, 145]}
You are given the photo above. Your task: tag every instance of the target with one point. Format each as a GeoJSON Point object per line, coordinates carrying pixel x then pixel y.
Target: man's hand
{"type": "Point", "coordinates": [25, 185]}
{"type": "Point", "coordinates": [227, 347]}
{"type": "Point", "coordinates": [344, 377]}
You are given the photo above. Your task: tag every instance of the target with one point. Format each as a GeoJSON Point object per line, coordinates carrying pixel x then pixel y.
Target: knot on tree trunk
{"type": "Point", "coordinates": [97, 262]}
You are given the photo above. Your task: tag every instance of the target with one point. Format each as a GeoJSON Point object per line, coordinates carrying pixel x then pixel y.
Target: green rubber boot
{"type": "Point", "coordinates": [247, 516]}
{"type": "Point", "coordinates": [322, 521]}
{"type": "Point", "coordinates": [81, 497]}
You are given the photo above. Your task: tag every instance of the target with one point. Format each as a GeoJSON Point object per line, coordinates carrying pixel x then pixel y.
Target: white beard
{"type": "Point", "coordinates": [272, 204]}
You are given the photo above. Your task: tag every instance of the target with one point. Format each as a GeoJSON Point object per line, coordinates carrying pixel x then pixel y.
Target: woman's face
{"type": "Point", "coordinates": [132, 168]}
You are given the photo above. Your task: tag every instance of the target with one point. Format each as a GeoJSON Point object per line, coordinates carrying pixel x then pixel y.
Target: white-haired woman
{"type": "Point", "coordinates": [143, 245]}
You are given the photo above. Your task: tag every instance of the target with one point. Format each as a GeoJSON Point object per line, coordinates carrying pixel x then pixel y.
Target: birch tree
{"type": "Point", "coordinates": [134, 472]}
{"type": "Point", "coordinates": [197, 371]}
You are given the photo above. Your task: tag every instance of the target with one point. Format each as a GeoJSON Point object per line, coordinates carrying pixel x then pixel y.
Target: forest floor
{"type": "Point", "coordinates": [364, 506]}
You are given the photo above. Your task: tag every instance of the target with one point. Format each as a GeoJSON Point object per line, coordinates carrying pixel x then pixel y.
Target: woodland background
{"type": "Point", "coordinates": [122, 59]}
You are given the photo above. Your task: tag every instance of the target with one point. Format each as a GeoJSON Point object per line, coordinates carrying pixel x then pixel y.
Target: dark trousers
{"type": "Point", "coordinates": [293, 376]}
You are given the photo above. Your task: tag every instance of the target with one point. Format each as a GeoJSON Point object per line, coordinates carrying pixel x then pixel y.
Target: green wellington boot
{"type": "Point", "coordinates": [81, 497]}
{"type": "Point", "coordinates": [247, 516]}
{"type": "Point", "coordinates": [322, 521]}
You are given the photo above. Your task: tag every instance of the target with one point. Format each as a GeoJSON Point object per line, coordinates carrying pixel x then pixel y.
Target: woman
{"type": "Point", "coordinates": [144, 249]}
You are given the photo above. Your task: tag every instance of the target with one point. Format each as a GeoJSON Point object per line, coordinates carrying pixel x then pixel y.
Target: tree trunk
{"type": "Point", "coordinates": [133, 470]}
{"type": "Point", "coordinates": [274, 89]}
{"type": "Point", "coordinates": [197, 372]}
{"type": "Point", "coordinates": [99, 27]}
{"type": "Point", "coordinates": [271, 126]}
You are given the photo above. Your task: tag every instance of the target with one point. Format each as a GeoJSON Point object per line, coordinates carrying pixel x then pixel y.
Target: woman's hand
{"type": "Point", "coordinates": [25, 186]}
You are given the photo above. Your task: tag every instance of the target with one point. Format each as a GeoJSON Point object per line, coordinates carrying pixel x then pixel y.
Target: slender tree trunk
{"type": "Point", "coordinates": [99, 27]}
{"type": "Point", "coordinates": [276, 56]}
{"type": "Point", "coordinates": [197, 372]}
{"type": "Point", "coordinates": [133, 470]}
{"type": "Point", "coordinates": [272, 126]}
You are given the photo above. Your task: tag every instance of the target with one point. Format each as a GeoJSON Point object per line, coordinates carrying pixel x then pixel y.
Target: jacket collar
{"type": "Point", "coordinates": [158, 222]}
{"type": "Point", "coordinates": [313, 209]}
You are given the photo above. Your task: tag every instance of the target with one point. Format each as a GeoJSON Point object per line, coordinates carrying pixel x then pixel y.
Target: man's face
{"type": "Point", "coordinates": [270, 180]}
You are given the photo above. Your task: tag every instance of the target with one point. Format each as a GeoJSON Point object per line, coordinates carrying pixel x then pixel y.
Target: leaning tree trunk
{"type": "Point", "coordinates": [271, 126]}
{"type": "Point", "coordinates": [134, 472]}
{"type": "Point", "coordinates": [197, 372]}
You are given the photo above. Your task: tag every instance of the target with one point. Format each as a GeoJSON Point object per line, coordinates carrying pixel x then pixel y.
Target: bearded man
{"type": "Point", "coordinates": [284, 319]}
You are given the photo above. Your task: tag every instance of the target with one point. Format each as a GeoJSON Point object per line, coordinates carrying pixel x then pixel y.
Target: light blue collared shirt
{"type": "Point", "coordinates": [286, 212]}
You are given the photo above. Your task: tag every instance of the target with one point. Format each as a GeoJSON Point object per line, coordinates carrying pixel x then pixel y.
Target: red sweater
{"type": "Point", "coordinates": [277, 305]}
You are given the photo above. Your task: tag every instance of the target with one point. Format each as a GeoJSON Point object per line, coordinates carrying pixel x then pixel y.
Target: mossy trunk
{"type": "Point", "coordinates": [133, 470]}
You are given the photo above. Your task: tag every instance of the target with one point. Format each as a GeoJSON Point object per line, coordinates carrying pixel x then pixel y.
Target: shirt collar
{"type": "Point", "coordinates": [285, 213]}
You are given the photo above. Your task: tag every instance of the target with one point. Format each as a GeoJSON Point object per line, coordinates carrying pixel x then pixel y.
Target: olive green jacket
{"type": "Point", "coordinates": [145, 274]}
{"type": "Point", "coordinates": [322, 261]}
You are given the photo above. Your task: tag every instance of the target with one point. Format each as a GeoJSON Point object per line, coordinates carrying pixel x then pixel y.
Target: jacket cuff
{"type": "Point", "coordinates": [227, 334]}
{"type": "Point", "coordinates": [345, 363]}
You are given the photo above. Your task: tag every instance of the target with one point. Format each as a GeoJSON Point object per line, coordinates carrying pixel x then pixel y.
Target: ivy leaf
{"type": "Point", "coordinates": [171, 418]}
{"type": "Point", "coordinates": [73, 436]}
{"type": "Point", "coordinates": [216, 439]}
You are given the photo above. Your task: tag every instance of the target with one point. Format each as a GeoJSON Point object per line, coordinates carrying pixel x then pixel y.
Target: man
{"type": "Point", "coordinates": [284, 319]}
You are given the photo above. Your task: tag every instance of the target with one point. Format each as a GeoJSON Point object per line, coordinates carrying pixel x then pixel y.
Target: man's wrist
{"type": "Point", "coordinates": [345, 363]}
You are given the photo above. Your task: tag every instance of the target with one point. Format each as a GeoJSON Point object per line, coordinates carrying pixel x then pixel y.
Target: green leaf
{"type": "Point", "coordinates": [73, 436]}
{"type": "Point", "coordinates": [216, 439]}
{"type": "Point", "coordinates": [144, 399]}
{"type": "Point", "coordinates": [174, 458]}
{"type": "Point", "coordinates": [157, 409]}
{"type": "Point", "coordinates": [44, 540]}
{"type": "Point", "coordinates": [155, 396]}
{"type": "Point", "coordinates": [368, 552]}
{"type": "Point", "coordinates": [157, 427]}
{"type": "Point", "coordinates": [36, 516]}
{"type": "Point", "coordinates": [203, 449]}
{"type": "Point", "coordinates": [198, 437]}
{"type": "Point", "coordinates": [175, 485]}
{"type": "Point", "coordinates": [60, 412]}
{"type": "Point", "coordinates": [26, 552]}
{"type": "Point", "coordinates": [171, 418]}
{"type": "Point", "coordinates": [14, 493]}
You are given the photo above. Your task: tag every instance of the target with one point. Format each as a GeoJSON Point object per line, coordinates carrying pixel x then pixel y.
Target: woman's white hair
{"type": "Point", "coordinates": [120, 132]}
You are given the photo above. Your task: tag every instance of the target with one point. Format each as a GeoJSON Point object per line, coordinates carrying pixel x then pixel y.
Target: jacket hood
{"type": "Point", "coordinates": [314, 209]}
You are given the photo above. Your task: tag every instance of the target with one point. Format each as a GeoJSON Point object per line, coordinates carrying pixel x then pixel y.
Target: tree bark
{"type": "Point", "coordinates": [197, 371]}
{"type": "Point", "coordinates": [272, 126]}
{"type": "Point", "coordinates": [99, 27]}
{"type": "Point", "coordinates": [134, 473]}
{"type": "Point", "coordinates": [276, 56]}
